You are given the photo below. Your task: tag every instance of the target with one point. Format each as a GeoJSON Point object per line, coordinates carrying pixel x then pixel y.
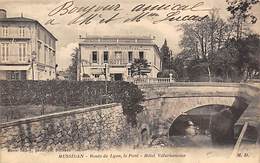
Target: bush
{"type": "Point", "coordinates": [72, 93]}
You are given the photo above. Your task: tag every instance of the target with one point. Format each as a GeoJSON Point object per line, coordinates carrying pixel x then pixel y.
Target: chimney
{"type": "Point", "coordinates": [2, 13]}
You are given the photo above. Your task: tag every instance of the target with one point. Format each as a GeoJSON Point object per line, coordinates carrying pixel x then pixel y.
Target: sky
{"type": "Point", "coordinates": [68, 35]}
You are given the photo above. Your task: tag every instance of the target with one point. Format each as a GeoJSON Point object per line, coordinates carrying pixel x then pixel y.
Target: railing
{"type": "Point", "coordinates": [118, 62]}
{"type": "Point", "coordinates": [140, 81]}
{"type": "Point", "coordinates": [15, 36]}
{"type": "Point", "coordinates": [14, 59]}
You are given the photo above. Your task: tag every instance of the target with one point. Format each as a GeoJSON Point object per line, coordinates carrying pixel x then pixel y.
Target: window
{"type": "Point", "coordinates": [105, 56]}
{"type": "Point", "coordinates": [39, 51]}
{"type": "Point", "coordinates": [45, 39]}
{"type": "Point", "coordinates": [22, 52]}
{"type": "Point", "coordinates": [141, 55]}
{"type": "Point", "coordinates": [16, 75]}
{"type": "Point", "coordinates": [45, 54]}
{"type": "Point", "coordinates": [130, 57]}
{"type": "Point", "coordinates": [129, 72]}
{"type": "Point", "coordinates": [50, 58]}
{"type": "Point", "coordinates": [5, 30]}
{"type": "Point", "coordinates": [94, 57]}
{"type": "Point", "coordinates": [38, 33]}
{"type": "Point", "coordinates": [22, 31]}
{"type": "Point", "coordinates": [5, 51]}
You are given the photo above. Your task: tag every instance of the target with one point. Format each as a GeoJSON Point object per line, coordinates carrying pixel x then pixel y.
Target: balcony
{"type": "Point", "coordinates": [15, 36]}
{"type": "Point", "coordinates": [118, 62]}
{"type": "Point", "coordinates": [14, 59]}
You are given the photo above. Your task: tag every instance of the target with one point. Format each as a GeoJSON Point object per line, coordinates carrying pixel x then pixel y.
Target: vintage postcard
{"type": "Point", "coordinates": [129, 81]}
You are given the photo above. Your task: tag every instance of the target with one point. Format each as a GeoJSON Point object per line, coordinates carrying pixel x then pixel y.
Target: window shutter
{"type": "Point", "coordinates": [90, 57]}
{"type": "Point", "coordinates": [98, 57]}
{"type": "Point", "coordinates": [102, 57]}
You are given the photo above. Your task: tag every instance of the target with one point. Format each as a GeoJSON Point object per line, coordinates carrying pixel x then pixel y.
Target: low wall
{"type": "Point", "coordinates": [98, 127]}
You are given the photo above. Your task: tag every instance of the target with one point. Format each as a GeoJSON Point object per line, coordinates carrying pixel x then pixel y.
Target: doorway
{"type": "Point", "coordinates": [118, 77]}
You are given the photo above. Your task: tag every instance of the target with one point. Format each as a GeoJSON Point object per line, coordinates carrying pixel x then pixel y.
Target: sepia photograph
{"type": "Point", "coordinates": [129, 80]}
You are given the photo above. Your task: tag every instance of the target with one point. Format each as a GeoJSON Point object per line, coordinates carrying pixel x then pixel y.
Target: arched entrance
{"type": "Point", "coordinates": [198, 126]}
{"type": "Point", "coordinates": [144, 136]}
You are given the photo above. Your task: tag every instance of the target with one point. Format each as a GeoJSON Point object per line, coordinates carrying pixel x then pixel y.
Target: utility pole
{"type": "Point", "coordinates": [106, 77]}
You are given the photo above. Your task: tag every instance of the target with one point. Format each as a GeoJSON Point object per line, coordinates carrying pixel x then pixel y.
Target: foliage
{"type": "Point", "coordinates": [130, 96]}
{"type": "Point", "coordinates": [248, 62]}
{"type": "Point", "coordinates": [74, 65]}
{"type": "Point", "coordinates": [212, 52]}
{"type": "Point", "coordinates": [166, 74]}
{"type": "Point", "coordinates": [71, 94]}
{"type": "Point", "coordinates": [240, 11]}
{"type": "Point", "coordinates": [138, 65]}
{"type": "Point", "coordinates": [166, 54]}
{"type": "Point", "coordinates": [202, 41]}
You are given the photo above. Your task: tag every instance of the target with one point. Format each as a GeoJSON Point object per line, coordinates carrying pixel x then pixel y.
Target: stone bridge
{"type": "Point", "coordinates": [165, 102]}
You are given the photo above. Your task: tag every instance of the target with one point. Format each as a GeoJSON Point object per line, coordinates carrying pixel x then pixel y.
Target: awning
{"type": "Point", "coordinates": [117, 70]}
{"type": "Point", "coordinates": [14, 67]}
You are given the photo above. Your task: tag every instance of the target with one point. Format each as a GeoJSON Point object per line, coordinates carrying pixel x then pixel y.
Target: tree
{"type": "Point", "coordinates": [178, 66]}
{"type": "Point", "coordinates": [248, 62]}
{"type": "Point", "coordinates": [202, 40]}
{"type": "Point", "coordinates": [74, 65]}
{"type": "Point", "coordinates": [139, 67]}
{"type": "Point", "coordinates": [240, 10]}
{"type": "Point", "coordinates": [166, 54]}
{"type": "Point", "coordinates": [225, 62]}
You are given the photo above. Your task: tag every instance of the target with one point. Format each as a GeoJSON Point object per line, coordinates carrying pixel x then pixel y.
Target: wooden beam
{"type": "Point", "coordinates": [240, 138]}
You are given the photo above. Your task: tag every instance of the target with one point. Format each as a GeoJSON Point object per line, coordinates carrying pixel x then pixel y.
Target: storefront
{"type": "Point", "coordinates": [14, 72]}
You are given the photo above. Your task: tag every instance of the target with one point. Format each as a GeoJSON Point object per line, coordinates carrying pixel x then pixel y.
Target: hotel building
{"type": "Point", "coordinates": [115, 54]}
{"type": "Point", "coordinates": [27, 49]}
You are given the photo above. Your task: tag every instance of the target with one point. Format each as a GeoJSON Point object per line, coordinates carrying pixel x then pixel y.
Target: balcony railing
{"type": "Point", "coordinates": [118, 61]}
{"type": "Point", "coordinates": [13, 59]}
{"type": "Point", "coordinates": [15, 36]}
{"type": "Point", "coordinates": [140, 81]}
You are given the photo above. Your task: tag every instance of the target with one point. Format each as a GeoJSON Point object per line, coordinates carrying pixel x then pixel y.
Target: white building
{"type": "Point", "coordinates": [115, 54]}
{"type": "Point", "coordinates": [27, 49]}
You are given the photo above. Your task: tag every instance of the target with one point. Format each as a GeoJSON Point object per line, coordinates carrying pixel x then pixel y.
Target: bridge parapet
{"type": "Point", "coordinates": [195, 89]}
{"type": "Point", "coordinates": [165, 102]}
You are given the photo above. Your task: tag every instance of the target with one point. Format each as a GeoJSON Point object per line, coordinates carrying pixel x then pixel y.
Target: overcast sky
{"type": "Point", "coordinates": [68, 34]}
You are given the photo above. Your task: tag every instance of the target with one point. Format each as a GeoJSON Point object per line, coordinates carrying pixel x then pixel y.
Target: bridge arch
{"type": "Point", "coordinates": [204, 113]}
{"type": "Point", "coordinates": [167, 109]}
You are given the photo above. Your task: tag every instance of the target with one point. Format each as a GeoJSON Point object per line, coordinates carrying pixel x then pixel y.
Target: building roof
{"type": "Point", "coordinates": [111, 40]}
{"type": "Point", "coordinates": [120, 36]}
{"type": "Point", "coordinates": [17, 19]}
{"type": "Point", "coordinates": [119, 40]}
{"type": "Point", "coordinates": [24, 19]}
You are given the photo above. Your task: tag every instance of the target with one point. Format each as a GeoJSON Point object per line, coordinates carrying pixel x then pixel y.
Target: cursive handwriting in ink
{"type": "Point", "coordinates": [69, 8]}
{"type": "Point", "coordinates": [114, 13]}
{"type": "Point", "coordinates": [140, 16]}
{"type": "Point", "coordinates": [51, 22]}
{"type": "Point", "coordinates": [168, 7]}
{"type": "Point", "coordinates": [175, 16]}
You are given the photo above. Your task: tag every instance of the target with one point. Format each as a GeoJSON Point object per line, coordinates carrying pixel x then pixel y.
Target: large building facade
{"type": "Point", "coordinates": [112, 56]}
{"type": "Point", "coordinates": [27, 49]}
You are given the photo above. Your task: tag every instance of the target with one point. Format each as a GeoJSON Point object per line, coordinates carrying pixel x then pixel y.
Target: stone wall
{"type": "Point", "coordinates": [98, 127]}
{"type": "Point", "coordinates": [164, 103]}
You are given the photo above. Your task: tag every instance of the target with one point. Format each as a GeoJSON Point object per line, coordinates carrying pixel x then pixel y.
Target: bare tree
{"type": "Point", "coordinates": [203, 39]}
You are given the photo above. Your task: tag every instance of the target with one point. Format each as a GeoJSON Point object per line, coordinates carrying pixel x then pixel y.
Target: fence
{"type": "Point", "coordinates": [140, 81]}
